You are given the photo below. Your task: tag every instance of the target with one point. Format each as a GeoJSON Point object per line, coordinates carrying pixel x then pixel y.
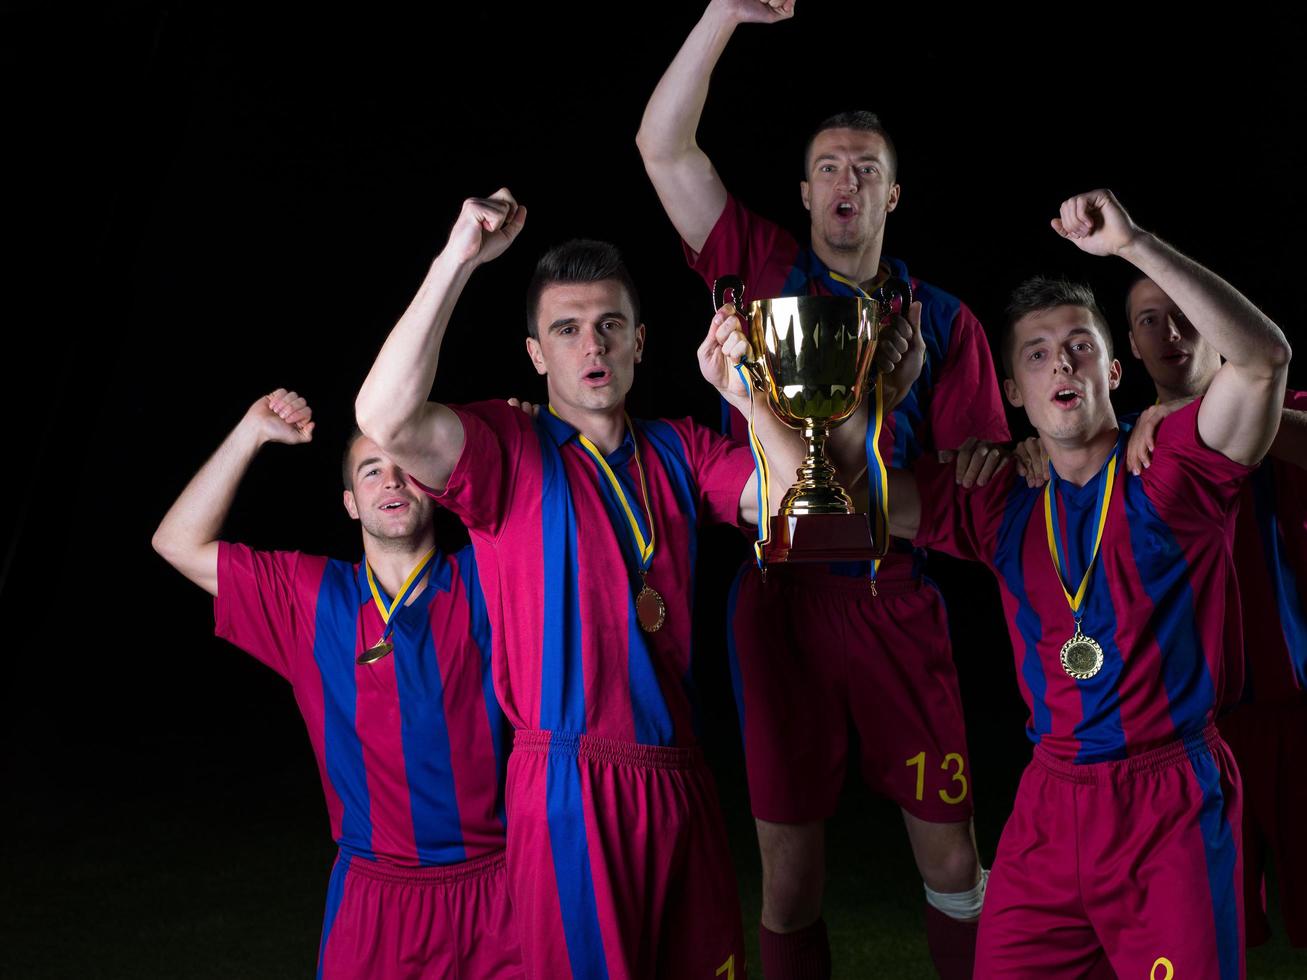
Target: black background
{"type": "Point", "coordinates": [206, 204]}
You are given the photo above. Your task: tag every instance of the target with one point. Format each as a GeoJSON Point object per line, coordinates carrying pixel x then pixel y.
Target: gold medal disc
{"type": "Point", "coordinates": [375, 652]}
{"type": "Point", "coordinates": [650, 610]}
{"type": "Point", "coordinates": [1082, 657]}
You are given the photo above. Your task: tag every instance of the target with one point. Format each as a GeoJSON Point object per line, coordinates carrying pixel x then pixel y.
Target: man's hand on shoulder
{"type": "Point", "coordinates": [977, 461]}
{"type": "Point", "coordinates": [1143, 437]}
{"type": "Point", "coordinates": [485, 227]}
{"type": "Point", "coordinates": [283, 416]}
{"type": "Point", "coordinates": [1096, 223]}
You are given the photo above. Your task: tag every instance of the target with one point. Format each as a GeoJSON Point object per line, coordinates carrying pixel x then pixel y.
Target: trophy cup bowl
{"type": "Point", "coordinates": [813, 360]}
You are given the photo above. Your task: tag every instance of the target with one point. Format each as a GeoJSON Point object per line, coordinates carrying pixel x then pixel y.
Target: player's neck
{"type": "Point", "coordinates": [1079, 462]}
{"type": "Point", "coordinates": [1166, 393]}
{"type": "Point", "coordinates": [606, 428]}
{"type": "Point", "coordinates": [393, 559]}
{"type": "Point", "coordinates": [861, 265]}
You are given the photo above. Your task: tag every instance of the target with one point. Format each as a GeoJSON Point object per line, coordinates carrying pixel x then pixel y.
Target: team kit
{"type": "Point", "coordinates": [507, 735]}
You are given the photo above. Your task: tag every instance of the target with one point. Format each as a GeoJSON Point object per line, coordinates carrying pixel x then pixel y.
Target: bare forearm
{"type": "Point", "coordinates": [672, 116]}
{"type": "Point", "coordinates": [904, 504]}
{"type": "Point", "coordinates": [1240, 332]}
{"type": "Point", "coordinates": [784, 448]}
{"type": "Point", "coordinates": [187, 537]}
{"type": "Point", "coordinates": [394, 395]}
{"type": "Point", "coordinates": [688, 186]}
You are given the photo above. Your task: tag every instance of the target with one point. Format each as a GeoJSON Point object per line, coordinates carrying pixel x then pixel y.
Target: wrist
{"type": "Point", "coordinates": [452, 266]}
{"type": "Point", "coordinates": [1137, 246]}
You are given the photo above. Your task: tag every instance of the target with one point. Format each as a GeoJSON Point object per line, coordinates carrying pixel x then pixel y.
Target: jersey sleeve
{"type": "Point", "coordinates": [256, 607]}
{"type": "Point", "coordinates": [480, 489]}
{"type": "Point", "coordinates": [721, 468]}
{"type": "Point", "coordinates": [966, 400]}
{"type": "Point", "coordinates": [1187, 479]}
{"type": "Point", "coordinates": [745, 244]}
{"type": "Point", "coordinates": [958, 520]}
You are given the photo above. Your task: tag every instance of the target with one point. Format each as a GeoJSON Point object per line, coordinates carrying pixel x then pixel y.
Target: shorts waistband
{"type": "Point", "coordinates": [610, 750]}
{"type": "Point", "coordinates": [1162, 757]}
{"type": "Point", "coordinates": [440, 874]}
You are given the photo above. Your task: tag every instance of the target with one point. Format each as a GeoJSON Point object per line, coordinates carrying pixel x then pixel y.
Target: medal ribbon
{"type": "Point", "coordinates": [1057, 552]}
{"type": "Point", "coordinates": [405, 590]}
{"type": "Point", "coordinates": [877, 475]}
{"type": "Point", "coordinates": [644, 549]}
{"type": "Point", "coordinates": [763, 474]}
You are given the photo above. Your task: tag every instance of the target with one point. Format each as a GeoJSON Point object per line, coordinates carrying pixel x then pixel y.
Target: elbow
{"type": "Point", "coordinates": [374, 422]}
{"type": "Point", "coordinates": [164, 544]}
{"type": "Point", "coordinates": [1280, 353]}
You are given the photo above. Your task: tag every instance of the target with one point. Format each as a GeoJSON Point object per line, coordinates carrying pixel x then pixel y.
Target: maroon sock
{"type": "Point", "coordinates": [952, 944]}
{"type": "Point", "coordinates": [802, 955]}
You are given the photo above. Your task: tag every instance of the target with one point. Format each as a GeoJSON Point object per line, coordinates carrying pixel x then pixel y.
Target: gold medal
{"type": "Point", "coordinates": [650, 610]}
{"type": "Point", "coordinates": [375, 652]}
{"type": "Point", "coordinates": [1082, 657]}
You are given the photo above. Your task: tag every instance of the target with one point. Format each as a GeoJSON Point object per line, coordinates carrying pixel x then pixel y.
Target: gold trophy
{"type": "Point", "coordinates": [813, 360]}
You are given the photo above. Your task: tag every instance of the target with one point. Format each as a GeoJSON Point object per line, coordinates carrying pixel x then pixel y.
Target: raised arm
{"type": "Point", "coordinates": [187, 537]}
{"type": "Point", "coordinates": [687, 183]}
{"type": "Point", "coordinates": [424, 437]}
{"type": "Point", "coordinates": [1241, 410]}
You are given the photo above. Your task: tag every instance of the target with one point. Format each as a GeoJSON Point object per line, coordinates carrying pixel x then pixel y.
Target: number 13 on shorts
{"type": "Point", "coordinates": [953, 761]}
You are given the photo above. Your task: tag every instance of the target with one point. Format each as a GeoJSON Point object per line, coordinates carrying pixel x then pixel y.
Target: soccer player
{"type": "Point", "coordinates": [1124, 837]}
{"type": "Point", "coordinates": [584, 525]}
{"type": "Point", "coordinates": [888, 665]}
{"type": "Point", "coordinates": [1267, 730]}
{"type": "Point", "coordinates": [389, 662]}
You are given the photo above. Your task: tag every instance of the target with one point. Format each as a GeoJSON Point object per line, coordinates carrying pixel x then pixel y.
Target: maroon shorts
{"type": "Point", "coordinates": [1270, 744]}
{"type": "Point", "coordinates": [618, 863]}
{"type": "Point", "coordinates": [397, 923]}
{"type": "Point", "coordinates": [814, 657]}
{"type": "Point", "coordinates": [1138, 859]}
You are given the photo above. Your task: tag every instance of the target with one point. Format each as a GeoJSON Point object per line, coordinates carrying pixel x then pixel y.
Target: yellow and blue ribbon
{"type": "Point", "coordinates": [644, 546]}
{"type": "Point", "coordinates": [763, 473]}
{"type": "Point", "coordinates": [1056, 549]}
{"type": "Point", "coordinates": [405, 590]}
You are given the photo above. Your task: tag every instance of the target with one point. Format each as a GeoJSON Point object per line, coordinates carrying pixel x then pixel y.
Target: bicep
{"type": "Point", "coordinates": [199, 564]}
{"type": "Point", "coordinates": [1240, 413]}
{"type": "Point", "coordinates": [430, 447]}
{"type": "Point", "coordinates": [691, 193]}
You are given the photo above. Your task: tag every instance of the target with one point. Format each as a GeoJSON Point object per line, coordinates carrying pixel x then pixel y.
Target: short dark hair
{"type": "Point", "coordinates": [581, 260]}
{"type": "Point", "coordinates": [346, 471]}
{"type": "Point", "coordinates": [1041, 293]}
{"type": "Point", "coordinates": [1135, 279]}
{"type": "Point", "coordinates": [861, 120]}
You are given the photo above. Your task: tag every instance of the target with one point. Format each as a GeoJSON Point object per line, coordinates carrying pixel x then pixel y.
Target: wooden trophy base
{"type": "Point", "coordinates": [821, 537]}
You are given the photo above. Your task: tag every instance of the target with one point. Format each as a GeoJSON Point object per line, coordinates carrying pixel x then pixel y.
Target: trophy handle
{"type": "Point", "coordinates": [889, 290]}
{"type": "Point", "coordinates": [735, 286]}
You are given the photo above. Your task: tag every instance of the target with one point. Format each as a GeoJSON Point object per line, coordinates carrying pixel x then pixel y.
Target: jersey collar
{"type": "Point", "coordinates": [563, 432]}
{"type": "Point", "coordinates": [441, 576]}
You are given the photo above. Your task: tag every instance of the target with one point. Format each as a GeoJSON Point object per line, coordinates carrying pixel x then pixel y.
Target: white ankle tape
{"type": "Point", "coordinates": [960, 905]}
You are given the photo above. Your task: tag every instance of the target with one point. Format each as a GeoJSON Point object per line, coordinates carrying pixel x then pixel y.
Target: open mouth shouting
{"type": "Point", "coordinates": [597, 377]}
{"type": "Point", "coordinates": [845, 210]}
{"type": "Point", "coordinates": [1068, 397]}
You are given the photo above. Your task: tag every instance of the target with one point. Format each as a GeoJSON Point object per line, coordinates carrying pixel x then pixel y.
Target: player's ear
{"type": "Point", "coordinates": [537, 355]}
{"type": "Point", "coordinates": [803, 193]}
{"type": "Point", "coordinates": [1013, 393]}
{"type": "Point", "coordinates": [351, 507]}
{"type": "Point", "coordinates": [893, 199]}
{"type": "Point", "coordinates": [639, 343]}
{"type": "Point", "coordinates": [1114, 373]}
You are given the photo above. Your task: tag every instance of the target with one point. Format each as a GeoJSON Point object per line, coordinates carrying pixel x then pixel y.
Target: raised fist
{"type": "Point", "coordinates": [486, 226]}
{"type": "Point", "coordinates": [1096, 222]}
{"type": "Point", "coordinates": [283, 417]}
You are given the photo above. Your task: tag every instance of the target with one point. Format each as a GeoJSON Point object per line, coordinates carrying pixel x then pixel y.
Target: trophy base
{"type": "Point", "coordinates": [821, 537]}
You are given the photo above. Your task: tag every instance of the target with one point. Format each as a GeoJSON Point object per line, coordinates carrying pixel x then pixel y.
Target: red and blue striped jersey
{"type": "Point", "coordinates": [956, 395]}
{"type": "Point", "coordinates": [412, 748]}
{"type": "Point", "coordinates": [1270, 558]}
{"type": "Point", "coordinates": [560, 578]}
{"type": "Point", "coordinates": [1162, 601]}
